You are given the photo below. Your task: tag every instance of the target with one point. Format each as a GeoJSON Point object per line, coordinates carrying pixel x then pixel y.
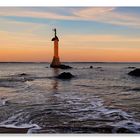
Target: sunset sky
{"type": "Point", "coordinates": [86, 34]}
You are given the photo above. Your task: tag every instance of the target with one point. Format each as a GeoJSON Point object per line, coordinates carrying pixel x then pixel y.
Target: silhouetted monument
{"type": "Point", "coordinates": [55, 62]}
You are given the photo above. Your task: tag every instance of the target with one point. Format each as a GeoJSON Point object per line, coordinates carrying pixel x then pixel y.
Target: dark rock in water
{"type": "Point", "coordinates": [131, 67]}
{"type": "Point", "coordinates": [65, 67]}
{"type": "Point", "coordinates": [136, 89]}
{"type": "Point", "coordinates": [124, 130]}
{"type": "Point", "coordinates": [23, 74]}
{"type": "Point", "coordinates": [91, 67]}
{"type": "Point", "coordinates": [62, 67]}
{"type": "Point", "coordinates": [65, 75]}
{"type": "Point", "coordinates": [135, 72]}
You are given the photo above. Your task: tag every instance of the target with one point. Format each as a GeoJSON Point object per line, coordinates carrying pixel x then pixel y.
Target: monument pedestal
{"type": "Point", "coordinates": [55, 63]}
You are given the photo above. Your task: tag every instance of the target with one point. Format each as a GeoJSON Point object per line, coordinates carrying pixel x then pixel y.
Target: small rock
{"type": "Point", "coordinates": [65, 75]}
{"type": "Point", "coordinates": [65, 67]}
{"type": "Point", "coordinates": [61, 67]}
{"type": "Point", "coordinates": [124, 130]}
{"type": "Point", "coordinates": [135, 72]}
{"type": "Point", "coordinates": [131, 67]}
{"type": "Point", "coordinates": [23, 74]}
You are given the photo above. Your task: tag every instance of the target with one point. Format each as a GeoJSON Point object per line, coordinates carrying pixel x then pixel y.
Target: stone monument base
{"type": "Point", "coordinates": [55, 62]}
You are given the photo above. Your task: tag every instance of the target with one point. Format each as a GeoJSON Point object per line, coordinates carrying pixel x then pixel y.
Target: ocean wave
{"type": "Point", "coordinates": [18, 79]}
{"type": "Point", "coordinates": [14, 124]}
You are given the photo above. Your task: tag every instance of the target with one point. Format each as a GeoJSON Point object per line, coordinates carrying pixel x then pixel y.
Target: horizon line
{"type": "Point", "coordinates": [70, 62]}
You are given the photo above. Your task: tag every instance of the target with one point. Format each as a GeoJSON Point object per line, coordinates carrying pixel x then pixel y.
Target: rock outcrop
{"type": "Point", "coordinates": [131, 67]}
{"type": "Point", "coordinates": [61, 66]}
{"type": "Point", "coordinates": [22, 74]}
{"type": "Point", "coordinates": [65, 75]}
{"type": "Point", "coordinates": [135, 72]}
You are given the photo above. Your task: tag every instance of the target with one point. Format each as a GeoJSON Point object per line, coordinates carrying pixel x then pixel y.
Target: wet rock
{"type": "Point", "coordinates": [62, 67]}
{"type": "Point", "coordinates": [65, 67]}
{"type": "Point", "coordinates": [135, 72]}
{"type": "Point", "coordinates": [22, 74]}
{"type": "Point", "coordinates": [81, 130]}
{"type": "Point", "coordinates": [131, 67]}
{"type": "Point", "coordinates": [124, 130]}
{"type": "Point", "coordinates": [136, 89]}
{"type": "Point", "coordinates": [65, 75]}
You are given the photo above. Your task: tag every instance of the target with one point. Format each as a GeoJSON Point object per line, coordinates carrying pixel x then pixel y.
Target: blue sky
{"type": "Point", "coordinates": [82, 25]}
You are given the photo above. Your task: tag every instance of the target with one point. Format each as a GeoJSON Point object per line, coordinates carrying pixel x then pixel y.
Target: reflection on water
{"type": "Point", "coordinates": [96, 101]}
{"type": "Point", "coordinates": [55, 81]}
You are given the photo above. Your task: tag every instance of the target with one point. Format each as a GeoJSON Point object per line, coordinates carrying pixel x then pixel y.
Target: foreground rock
{"type": "Point", "coordinates": [135, 72]}
{"type": "Point", "coordinates": [86, 129]}
{"type": "Point", "coordinates": [65, 75]}
{"type": "Point", "coordinates": [13, 130]}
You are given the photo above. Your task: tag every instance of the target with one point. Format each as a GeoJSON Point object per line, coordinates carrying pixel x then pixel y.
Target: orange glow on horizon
{"type": "Point", "coordinates": [45, 55]}
{"type": "Point", "coordinates": [102, 55]}
{"type": "Point", "coordinates": [33, 48]}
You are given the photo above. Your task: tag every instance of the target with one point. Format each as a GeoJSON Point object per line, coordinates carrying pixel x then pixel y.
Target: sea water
{"type": "Point", "coordinates": [104, 99]}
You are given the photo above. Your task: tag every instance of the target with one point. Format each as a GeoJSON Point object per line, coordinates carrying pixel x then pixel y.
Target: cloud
{"type": "Point", "coordinates": [21, 27]}
{"type": "Point", "coordinates": [21, 40]}
{"type": "Point", "coordinates": [27, 39]}
{"type": "Point", "coordinates": [109, 15]}
{"type": "Point", "coordinates": [26, 12]}
{"type": "Point", "coordinates": [100, 38]}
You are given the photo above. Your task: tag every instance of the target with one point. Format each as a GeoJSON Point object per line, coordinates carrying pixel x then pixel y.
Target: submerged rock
{"type": "Point", "coordinates": [135, 72]}
{"type": "Point", "coordinates": [22, 74]}
{"type": "Point", "coordinates": [65, 67]}
{"type": "Point", "coordinates": [65, 75]}
{"type": "Point", "coordinates": [131, 67]}
{"type": "Point", "coordinates": [124, 130]}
